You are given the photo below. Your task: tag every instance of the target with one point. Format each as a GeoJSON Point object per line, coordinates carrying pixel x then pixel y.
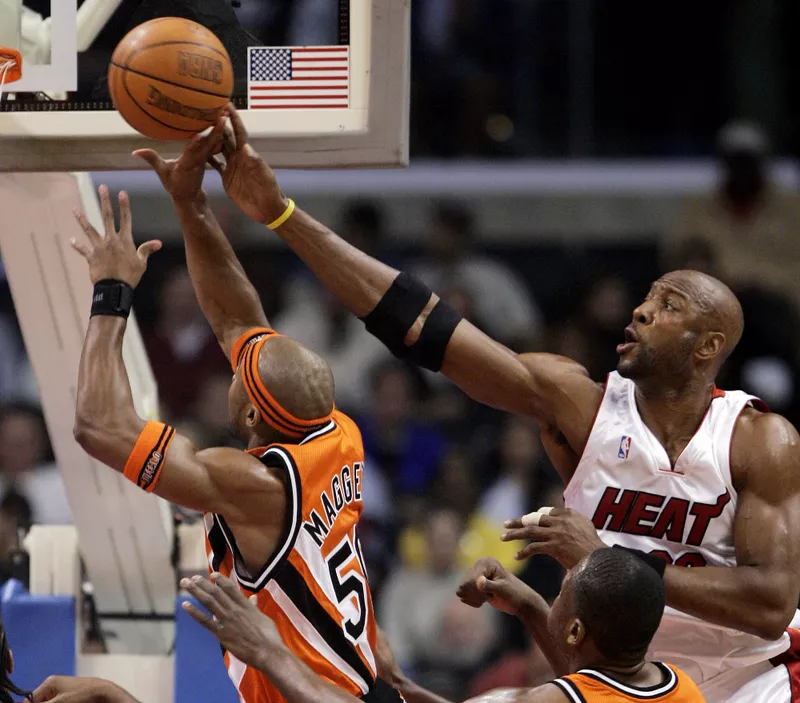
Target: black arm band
{"type": "Point", "coordinates": [397, 311]}
{"type": "Point", "coordinates": [659, 564]}
{"type": "Point", "coordinates": [112, 297]}
{"type": "Point", "coordinates": [428, 351]}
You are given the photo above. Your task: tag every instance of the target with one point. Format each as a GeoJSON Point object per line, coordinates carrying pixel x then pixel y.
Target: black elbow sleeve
{"type": "Point", "coordinates": [397, 311]}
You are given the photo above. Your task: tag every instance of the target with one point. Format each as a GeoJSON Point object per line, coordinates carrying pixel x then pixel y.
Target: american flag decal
{"type": "Point", "coordinates": [297, 77]}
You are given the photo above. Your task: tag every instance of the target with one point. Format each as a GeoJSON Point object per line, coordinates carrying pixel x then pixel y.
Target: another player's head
{"type": "Point", "coordinates": [299, 389]}
{"type": "Point", "coordinates": [686, 327]}
{"type": "Point", "coordinates": [608, 610]}
{"type": "Point", "coordinates": [7, 688]}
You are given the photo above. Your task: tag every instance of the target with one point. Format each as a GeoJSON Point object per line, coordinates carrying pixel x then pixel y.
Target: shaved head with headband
{"type": "Point", "coordinates": [281, 390]}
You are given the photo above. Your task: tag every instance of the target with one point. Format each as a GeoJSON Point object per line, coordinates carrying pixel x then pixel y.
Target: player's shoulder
{"type": "Point", "coordinates": [765, 441]}
{"type": "Point", "coordinates": [547, 693]}
{"type": "Point", "coordinates": [757, 428]}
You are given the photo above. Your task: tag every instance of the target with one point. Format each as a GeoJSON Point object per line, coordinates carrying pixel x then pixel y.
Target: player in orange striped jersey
{"type": "Point", "coordinates": [598, 629]}
{"type": "Point", "coordinates": [281, 517]}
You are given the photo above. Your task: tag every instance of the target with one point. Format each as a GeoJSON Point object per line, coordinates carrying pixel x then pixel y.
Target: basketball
{"type": "Point", "coordinates": [170, 78]}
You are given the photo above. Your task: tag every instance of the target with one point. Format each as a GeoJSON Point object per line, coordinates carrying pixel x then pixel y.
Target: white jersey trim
{"type": "Point", "coordinates": [293, 508]}
{"type": "Point", "coordinates": [639, 692]}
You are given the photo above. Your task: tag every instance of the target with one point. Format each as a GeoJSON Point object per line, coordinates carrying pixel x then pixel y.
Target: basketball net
{"type": "Point", "coordinates": [10, 66]}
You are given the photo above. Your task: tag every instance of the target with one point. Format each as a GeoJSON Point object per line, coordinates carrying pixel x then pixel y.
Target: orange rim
{"type": "Point", "coordinates": [10, 65]}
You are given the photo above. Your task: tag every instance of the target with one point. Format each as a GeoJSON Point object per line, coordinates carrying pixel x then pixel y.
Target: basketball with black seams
{"type": "Point", "coordinates": [170, 78]}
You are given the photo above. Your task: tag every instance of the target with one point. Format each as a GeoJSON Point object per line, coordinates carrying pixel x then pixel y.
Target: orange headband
{"type": "Point", "coordinates": [245, 353]}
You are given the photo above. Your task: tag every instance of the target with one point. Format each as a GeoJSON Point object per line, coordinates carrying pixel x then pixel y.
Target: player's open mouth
{"type": "Point", "coordinates": [631, 340]}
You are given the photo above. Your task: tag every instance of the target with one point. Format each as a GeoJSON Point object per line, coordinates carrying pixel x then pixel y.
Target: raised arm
{"type": "Point", "coordinates": [150, 454]}
{"type": "Point", "coordinates": [229, 301]}
{"type": "Point", "coordinates": [551, 389]}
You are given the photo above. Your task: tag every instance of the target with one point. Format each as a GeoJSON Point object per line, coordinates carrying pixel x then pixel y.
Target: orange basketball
{"type": "Point", "coordinates": [170, 78]}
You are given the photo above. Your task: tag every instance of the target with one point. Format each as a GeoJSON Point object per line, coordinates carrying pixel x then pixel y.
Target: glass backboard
{"type": "Point", "coordinates": [59, 116]}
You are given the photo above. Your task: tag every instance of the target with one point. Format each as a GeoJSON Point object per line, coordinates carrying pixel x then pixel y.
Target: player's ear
{"type": "Point", "coordinates": [711, 345]}
{"type": "Point", "coordinates": [252, 416]}
{"type": "Point", "coordinates": [576, 633]}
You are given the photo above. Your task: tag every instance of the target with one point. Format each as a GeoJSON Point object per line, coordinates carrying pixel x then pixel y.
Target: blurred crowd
{"type": "Point", "coordinates": [443, 473]}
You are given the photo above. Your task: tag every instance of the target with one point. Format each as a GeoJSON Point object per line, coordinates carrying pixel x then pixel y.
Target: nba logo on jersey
{"type": "Point", "coordinates": [624, 447]}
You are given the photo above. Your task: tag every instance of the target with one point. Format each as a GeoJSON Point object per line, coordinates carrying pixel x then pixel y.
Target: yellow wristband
{"type": "Point", "coordinates": [287, 213]}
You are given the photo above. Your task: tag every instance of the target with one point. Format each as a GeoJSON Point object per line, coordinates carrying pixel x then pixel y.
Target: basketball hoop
{"type": "Point", "coordinates": [10, 66]}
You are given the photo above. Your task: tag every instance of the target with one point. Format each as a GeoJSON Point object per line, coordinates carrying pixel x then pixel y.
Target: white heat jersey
{"type": "Point", "coordinates": [626, 485]}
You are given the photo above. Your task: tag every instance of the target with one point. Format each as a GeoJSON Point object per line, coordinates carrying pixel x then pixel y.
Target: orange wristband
{"type": "Point", "coordinates": [146, 461]}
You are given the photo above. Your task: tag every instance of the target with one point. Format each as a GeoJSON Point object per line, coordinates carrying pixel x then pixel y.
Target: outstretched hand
{"type": "Point", "coordinates": [113, 255]}
{"type": "Point", "coordinates": [69, 689]}
{"type": "Point", "coordinates": [564, 534]}
{"type": "Point", "coordinates": [248, 179]}
{"type": "Point", "coordinates": [235, 621]}
{"type": "Point", "coordinates": [182, 178]}
{"type": "Point", "coordinates": [490, 582]}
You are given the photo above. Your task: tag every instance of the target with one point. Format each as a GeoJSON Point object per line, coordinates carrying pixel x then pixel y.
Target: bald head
{"type": "Point", "coordinates": [720, 308]}
{"type": "Point", "coordinates": [300, 380]}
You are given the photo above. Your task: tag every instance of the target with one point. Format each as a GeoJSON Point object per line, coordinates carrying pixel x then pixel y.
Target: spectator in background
{"type": "Point", "coordinates": [408, 449]}
{"type": "Point", "coordinates": [591, 333]}
{"type": "Point", "coordinates": [752, 225]}
{"type": "Point", "coordinates": [182, 349]}
{"type": "Point", "coordinates": [765, 361]}
{"type": "Point", "coordinates": [524, 477]}
{"type": "Point", "coordinates": [424, 622]}
{"type": "Point", "coordinates": [27, 467]}
{"type": "Point", "coordinates": [209, 424]}
{"type": "Point", "coordinates": [501, 302]}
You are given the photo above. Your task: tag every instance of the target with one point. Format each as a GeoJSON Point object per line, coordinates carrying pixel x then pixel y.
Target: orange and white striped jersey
{"type": "Point", "coordinates": [315, 585]}
{"type": "Point", "coordinates": [590, 685]}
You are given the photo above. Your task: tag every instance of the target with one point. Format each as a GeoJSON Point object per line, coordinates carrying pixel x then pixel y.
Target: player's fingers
{"type": "Point", "coordinates": [217, 163]}
{"type": "Point", "coordinates": [530, 532]}
{"type": "Point", "coordinates": [239, 130]}
{"type": "Point", "coordinates": [125, 219]}
{"type": "Point", "coordinates": [229, 588]}
{"type": "Point", "coordinates": [203, 618]}
{"type": "Point", "coordinates": [205, 591]}
{"type": "Point", "coordinates": [535, 517]}
{"type": "Point", "coordinates": [107, 209]}
{"type": "Point", "coordinates": [228, 144]}
{"type": "Point", "coordinates": [516, 522]}
{"type": "Point", "coordinates": [146, 250]}
{"type": "Point", "coordinates": [533, 548]}
{"type": "Point", "coordinates": [153, 158]}
{"type": "Point", "coordinates": [91, 233]}
{"type": "Point", "coordinates": [81, 247]}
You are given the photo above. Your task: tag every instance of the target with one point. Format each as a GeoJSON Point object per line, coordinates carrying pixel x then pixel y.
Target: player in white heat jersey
{"type": "Point", "coordinates": [745, 464]}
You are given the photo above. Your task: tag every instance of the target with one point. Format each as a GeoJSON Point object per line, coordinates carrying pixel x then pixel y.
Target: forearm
{"type": "Point", "coordinates": [228, 299]}
{"type": "Point", "coordinates": [296, 682]}
{"type": "Point", "coordinates": [534, 616]}
{"type": "Point", "coordinates": [106, 423]}
{"type": "Point", "coordinates": [356, 279]}
{"type": "Point", "coordinates": [414, 693]}
{"type": "Point", "coordinates": [742, 598]}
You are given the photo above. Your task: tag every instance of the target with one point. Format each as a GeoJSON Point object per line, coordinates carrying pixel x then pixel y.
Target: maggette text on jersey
{"type": "Point", "coordinates": [652, 515]}
{"type": "Point", "coordinates": [345, 488]}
